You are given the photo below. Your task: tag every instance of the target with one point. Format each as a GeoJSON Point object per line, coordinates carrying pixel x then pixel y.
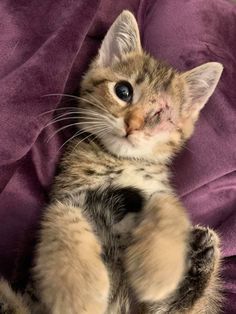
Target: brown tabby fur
{"type": "Point", "coordinates": [115, 238]}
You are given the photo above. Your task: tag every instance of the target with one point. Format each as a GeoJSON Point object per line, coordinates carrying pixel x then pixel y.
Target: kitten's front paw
{"type": "Point", "coordinates": [204, 253]}
{"type": "Point", "coordinates": [200, 289]}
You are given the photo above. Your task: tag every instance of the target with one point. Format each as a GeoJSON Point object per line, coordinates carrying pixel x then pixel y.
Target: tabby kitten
{"type": "Point", "coordinates": [116, 239]}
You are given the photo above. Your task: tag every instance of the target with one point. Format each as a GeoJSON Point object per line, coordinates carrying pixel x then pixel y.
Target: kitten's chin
{"type": "Point", "coordinates": [126, 147]}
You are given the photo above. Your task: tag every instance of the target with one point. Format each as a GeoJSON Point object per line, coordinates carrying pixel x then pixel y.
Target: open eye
{"type": "Point", "coordinates": [124, 91]}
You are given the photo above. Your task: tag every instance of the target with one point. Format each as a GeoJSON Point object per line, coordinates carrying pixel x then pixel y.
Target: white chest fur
{"type": "Point", "coordinates": [149, 179]}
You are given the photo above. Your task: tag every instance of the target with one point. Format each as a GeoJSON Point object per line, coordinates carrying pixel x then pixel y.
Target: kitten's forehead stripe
{"type": "Point", "coordinates": [98, 82]}
{"type": "Point", "coordinates": [146, 68]}
{"type": "Point", "coordinates": [140, 78]}
{"type": "Point", "coordinates": [86, 91]}
{"type": "Point", "coordinates": [169, 79]}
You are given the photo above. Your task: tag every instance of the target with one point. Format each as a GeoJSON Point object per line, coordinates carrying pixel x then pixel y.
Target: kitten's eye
{"type": "Point", "coordinates": [124, 91]}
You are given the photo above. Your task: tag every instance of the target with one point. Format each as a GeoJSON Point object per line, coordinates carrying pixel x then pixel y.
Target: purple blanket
{"type": "Point", "coordinates": [45, 46]}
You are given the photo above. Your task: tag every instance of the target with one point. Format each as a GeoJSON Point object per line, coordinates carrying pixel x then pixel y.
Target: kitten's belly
{"type": "Point", "coordinates": [113, 212]}
{"type": "Point", "coordinates": [108, 205]}
{"type": "Point", "coordinates": [113, 208]}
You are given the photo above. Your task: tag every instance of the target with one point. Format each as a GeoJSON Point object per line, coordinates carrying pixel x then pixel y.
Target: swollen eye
{"type": "Point", "coordinates": [124, 91]}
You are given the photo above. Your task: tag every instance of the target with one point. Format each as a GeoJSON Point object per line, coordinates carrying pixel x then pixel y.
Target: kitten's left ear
{"type": "Point", "coordinates": [122, 37]}
{"type": "Point", "coordinates": [200, 84]}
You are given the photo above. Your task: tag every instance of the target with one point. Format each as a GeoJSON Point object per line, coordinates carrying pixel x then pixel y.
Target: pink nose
{"type": "Point", "coordinates": [134, 122]}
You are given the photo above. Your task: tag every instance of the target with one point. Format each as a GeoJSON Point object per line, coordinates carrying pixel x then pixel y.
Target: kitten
{"type": "Point", "coordinates": [115, 238]}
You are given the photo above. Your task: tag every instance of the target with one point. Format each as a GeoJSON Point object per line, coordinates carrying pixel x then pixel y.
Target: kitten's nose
{"type": "Point", "coordinates": [134, 122]}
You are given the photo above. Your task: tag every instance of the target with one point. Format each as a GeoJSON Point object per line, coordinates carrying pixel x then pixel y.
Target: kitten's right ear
{"type": "Point", "coordinates": [200, 84]}
{"type": "Point", "coordinates": [122, 37]}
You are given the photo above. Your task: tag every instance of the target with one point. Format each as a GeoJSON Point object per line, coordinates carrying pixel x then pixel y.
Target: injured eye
{"type": "Point", "coordinates": [124, 91]}
{"type": "Point", "coordinates": [157, 115]}
{"type": "Point", "coordinates": [154, 117]}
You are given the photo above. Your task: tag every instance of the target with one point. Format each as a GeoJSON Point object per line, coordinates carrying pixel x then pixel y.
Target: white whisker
{"type": "Point", "coordinates": [90, 135]}
{"type": "Point", "coordinates": [80, 116]}
{"type": "Point", "coordinates": [57, 109]}
{"type": "Point", "coordinates": [98, 105]}
{"type": "Point", "coordinates": [59, 94]}
{"type": "Point", "coordinates": [67, 126]}
{"type": "Point", "coordinates": [71, 138]}
{"type": "Point", "coordinates": [99, 102]}
{"type": "Point", "coordinates": [77, 98]}
{"type": "Point", "coordinates": [88, 126]}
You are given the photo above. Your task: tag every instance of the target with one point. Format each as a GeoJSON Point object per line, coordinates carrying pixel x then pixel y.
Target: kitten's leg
{"type": "Point", "coordinates": [69, 271]}
{"type": "Point", "coordinates": [199, 293]}
{"type": "Point", "coordinates": [156, 259]}
{"type": "Point", "coordinates": [11, 302]}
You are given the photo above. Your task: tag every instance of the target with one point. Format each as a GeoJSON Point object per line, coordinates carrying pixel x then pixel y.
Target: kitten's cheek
{"type": "Point", "coordinates": [119, 132]}
{"type": "Point", "coordinates": [162, 127]}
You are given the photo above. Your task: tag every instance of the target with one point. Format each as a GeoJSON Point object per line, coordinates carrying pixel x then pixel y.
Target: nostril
{"type": "Point", "coordinates": [128, 131]}
{"type": "Point", "coordinates": [133, 124]}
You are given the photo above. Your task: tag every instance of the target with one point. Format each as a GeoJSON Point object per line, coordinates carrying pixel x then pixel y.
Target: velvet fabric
{"type": "Point", "coordinates": [45, 47]}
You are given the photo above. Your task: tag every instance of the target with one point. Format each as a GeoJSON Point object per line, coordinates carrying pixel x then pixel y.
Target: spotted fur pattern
{"type": "Point", "coordinates": [115, 238]}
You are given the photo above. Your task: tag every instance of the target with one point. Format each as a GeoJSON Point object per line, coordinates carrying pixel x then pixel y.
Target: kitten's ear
{"type": "Point", "coordinates": [200, 84]}
{"type": "Point", "coordinates": [122, 37]}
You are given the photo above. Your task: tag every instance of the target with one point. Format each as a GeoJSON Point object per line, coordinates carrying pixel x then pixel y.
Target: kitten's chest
{"type": "Point", "coordinates": [147, 178]}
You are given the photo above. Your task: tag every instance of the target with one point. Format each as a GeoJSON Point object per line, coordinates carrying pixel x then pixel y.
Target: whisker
{"type": "Point", "coordinates": [101, 133]}
{"type": "Point", "coordinates": [71, 138]}
{"type": "Point", "coordinates": [68, 95]}
{"type": "Point", "coordinates": [108, 117]}
{"type": "Point", "coordinates": [79, 118]}
{"type": "Point", "coordinates": [65, 127]}
{"type": "Point", "coordinates": [186, 147]}
{"type": "Point", "coordinates": [60, 94]}
{"type": "Point", "coordinates": [99, 102]}
{"type": "Point", "coordinates": [72, 124]}
{"type": "Point", "coordinates": [96, 136]}
{"type": "Point", "coordinates": [83, 111]}
{"type": "Point", "coordinates": [101, 106]}
{"type": "Point", "coordinates": [65, 114]}
{"type": "Point", "coordinates": [79, 111]}
{"type": "Point", "coordinates": [80, 98]}
{"type": "Point", "coordinates": [58, 120]}
{"type": "Point", "coordinates": [57, 109]}
{"type": "Point", "coordinates": [80, 132]}
{"type": "Point", "coordinates": [90, 135]}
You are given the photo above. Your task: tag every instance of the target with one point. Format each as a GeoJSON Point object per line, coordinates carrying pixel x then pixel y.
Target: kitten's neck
{"type": "Point", "coordinates": [162, 155]}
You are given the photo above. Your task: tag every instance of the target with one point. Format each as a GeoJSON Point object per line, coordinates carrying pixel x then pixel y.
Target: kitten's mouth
{"type": "Point", "coordinates": [127, 139]}
{"type": "Point", "coordinates": [124, 139]}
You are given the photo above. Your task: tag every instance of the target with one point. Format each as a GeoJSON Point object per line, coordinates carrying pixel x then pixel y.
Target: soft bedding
{"type": "Point", "coordinates": [45, 47]}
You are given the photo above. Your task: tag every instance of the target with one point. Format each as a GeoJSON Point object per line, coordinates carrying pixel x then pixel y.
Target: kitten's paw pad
{"type": "Point", "coordinates": [204, 251]}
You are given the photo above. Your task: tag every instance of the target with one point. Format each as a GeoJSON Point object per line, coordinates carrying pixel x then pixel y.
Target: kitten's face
{"type": "Point", "coordinates": [139, 107]}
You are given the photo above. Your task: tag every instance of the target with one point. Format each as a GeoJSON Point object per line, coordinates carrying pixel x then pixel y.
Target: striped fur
{"type": "Point", "coordinates": [115, 238]}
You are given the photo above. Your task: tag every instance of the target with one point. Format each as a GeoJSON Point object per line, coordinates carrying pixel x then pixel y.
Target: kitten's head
{"type": "Point", "coordinates": [137, 106]}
